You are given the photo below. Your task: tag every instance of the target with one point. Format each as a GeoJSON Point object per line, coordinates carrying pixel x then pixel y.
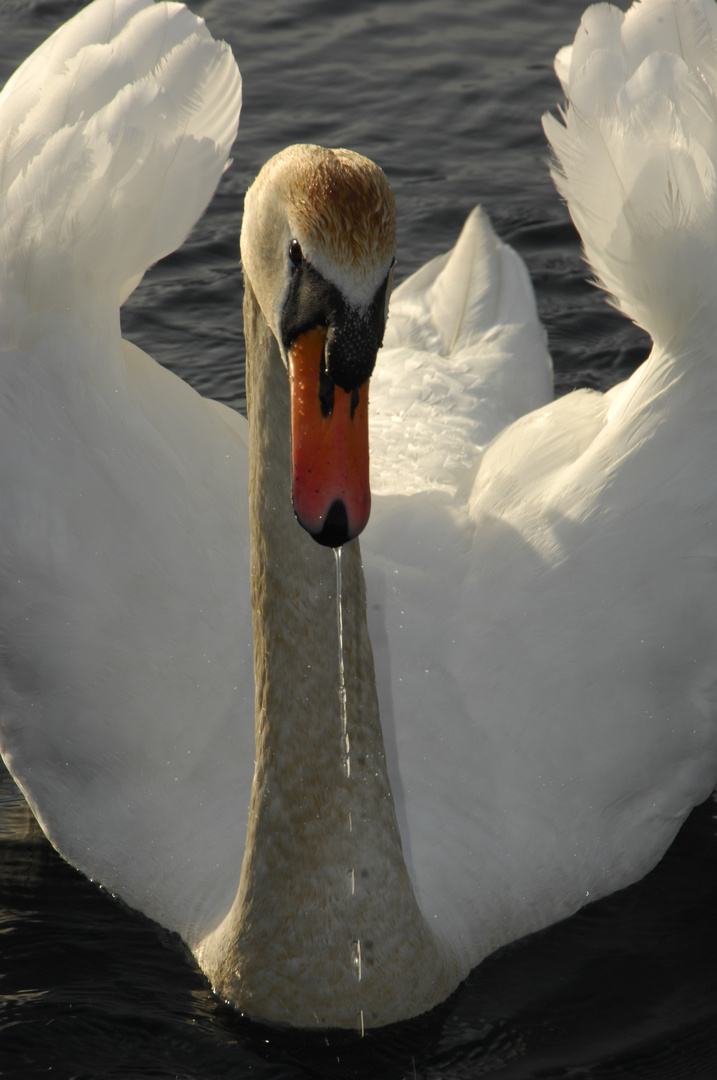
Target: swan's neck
{"type": "Point", "coordinates": [325, 928]}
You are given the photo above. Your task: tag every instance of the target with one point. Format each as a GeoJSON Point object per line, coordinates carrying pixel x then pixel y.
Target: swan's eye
{"type": "Point", "coordinates": [295, 252]}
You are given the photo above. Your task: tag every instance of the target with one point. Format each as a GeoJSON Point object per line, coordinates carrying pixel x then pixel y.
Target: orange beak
{"type": "Point", "coordinates": [329, 440]}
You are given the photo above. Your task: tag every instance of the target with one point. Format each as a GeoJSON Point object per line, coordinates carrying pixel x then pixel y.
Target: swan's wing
{"type": "Point", "coordinates": [125, 626]}
{"type": "Point", "coordinates": [546, 647]}
{"type": "Point", "coordinates": [115, 133]}
{"type": "Point", "coordinates": [637, 158]}
{"type": "Point", "coordinates": [464, 355]}
{"type": "Point", "coordinates": [547, 673]}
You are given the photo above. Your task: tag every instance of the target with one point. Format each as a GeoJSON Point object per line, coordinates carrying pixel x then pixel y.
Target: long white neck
{"type": "Point", "coordinates": [325, 929]}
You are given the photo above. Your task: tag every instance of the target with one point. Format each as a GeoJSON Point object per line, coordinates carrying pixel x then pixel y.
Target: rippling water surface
{"type": "Point", "coordinates": [447, 96]}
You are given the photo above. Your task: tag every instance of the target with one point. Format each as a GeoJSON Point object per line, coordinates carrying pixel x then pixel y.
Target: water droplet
{"type": "Point", "coordinates": [356, 958]}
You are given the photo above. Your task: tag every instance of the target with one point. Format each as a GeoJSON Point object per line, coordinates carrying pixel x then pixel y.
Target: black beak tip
{"type": "Point", "coordinates": [335, 529]}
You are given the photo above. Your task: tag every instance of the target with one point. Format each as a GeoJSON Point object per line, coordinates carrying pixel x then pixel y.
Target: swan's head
{"type": "Point", "coordinates": [318, 244]}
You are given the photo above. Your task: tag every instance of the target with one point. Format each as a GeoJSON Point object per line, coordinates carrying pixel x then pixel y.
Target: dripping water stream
{"type": "Point", "coordinates": [345, 743]}
{"type": "Point", "coordinates": [346, 754]}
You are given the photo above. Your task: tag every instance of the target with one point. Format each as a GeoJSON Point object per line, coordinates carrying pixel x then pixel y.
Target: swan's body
{"type": "Point", "coordinates": [542, 606]}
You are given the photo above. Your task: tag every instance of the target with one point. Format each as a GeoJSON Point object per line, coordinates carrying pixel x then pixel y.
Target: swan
{"type": "Point", "coordinates": [529, 616]}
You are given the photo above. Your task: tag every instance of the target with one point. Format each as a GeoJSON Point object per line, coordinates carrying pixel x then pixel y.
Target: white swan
{"type": "Point", "coordinates": [542, 608]}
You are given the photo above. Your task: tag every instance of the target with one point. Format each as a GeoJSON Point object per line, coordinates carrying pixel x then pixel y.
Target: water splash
{"type": "Point", "coordinates": [343, 715]}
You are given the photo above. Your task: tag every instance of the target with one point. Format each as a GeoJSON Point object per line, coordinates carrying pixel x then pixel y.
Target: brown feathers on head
{"type": "Point", "coordinates": [345, 206]}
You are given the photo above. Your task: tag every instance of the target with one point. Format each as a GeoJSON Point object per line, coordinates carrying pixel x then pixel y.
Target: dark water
{"type": "Point", "coordinates": [447, 97]}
